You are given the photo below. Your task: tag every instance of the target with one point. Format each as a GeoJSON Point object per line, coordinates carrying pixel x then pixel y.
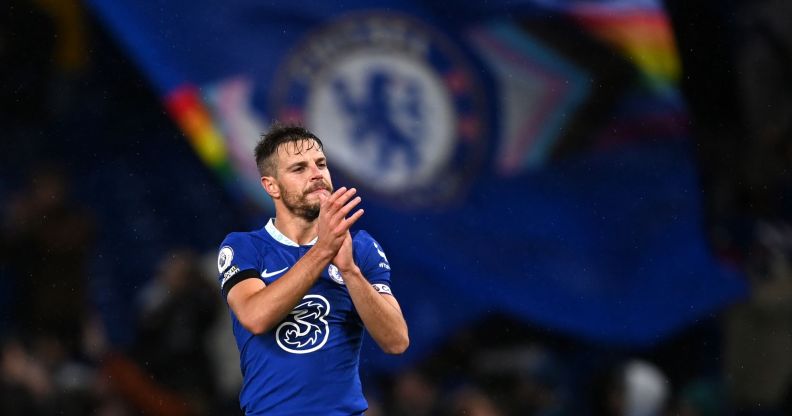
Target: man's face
{"type": "Point", "coordinates": [302, 176]}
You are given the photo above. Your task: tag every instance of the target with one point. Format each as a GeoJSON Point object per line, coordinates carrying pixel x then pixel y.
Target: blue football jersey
{"type": "Point", "coordinates": [308, 363]}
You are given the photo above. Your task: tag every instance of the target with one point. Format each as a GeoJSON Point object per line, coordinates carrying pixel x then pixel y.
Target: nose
{"type": "Point", "coordinates": [314, 169]}
{"type": "Point", "coordinates": [315, 172]}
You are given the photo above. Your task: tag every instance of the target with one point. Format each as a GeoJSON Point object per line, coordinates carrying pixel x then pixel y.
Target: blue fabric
{"type": "Point", "coordinates": [309, 363]}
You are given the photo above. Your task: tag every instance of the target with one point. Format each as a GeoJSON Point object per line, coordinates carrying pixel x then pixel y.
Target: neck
{"type": "Point", "coordinates": [297, 229]}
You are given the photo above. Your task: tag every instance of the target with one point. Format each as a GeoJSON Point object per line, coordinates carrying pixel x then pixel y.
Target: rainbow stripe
{"type": "Point", "coordinates": [186, 106]}
{"type": "Point", "coordinates": [642, 34]}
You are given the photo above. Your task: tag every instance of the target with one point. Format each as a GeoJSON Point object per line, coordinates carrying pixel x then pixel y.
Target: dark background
{"type": "Point", "coordinates": [83, 192]}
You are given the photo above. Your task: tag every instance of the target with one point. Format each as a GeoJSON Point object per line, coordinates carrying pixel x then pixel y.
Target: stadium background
{"type": "Point", "coordinates": [607, 231]}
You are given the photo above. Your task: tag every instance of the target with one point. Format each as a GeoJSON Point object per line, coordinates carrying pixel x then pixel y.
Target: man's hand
{"type": "Point", "coordinates": [333, 226]}
{"type": "Point", "coordinates": [260, 307]}
{"type": "Point", "coordinates": [344, 259]}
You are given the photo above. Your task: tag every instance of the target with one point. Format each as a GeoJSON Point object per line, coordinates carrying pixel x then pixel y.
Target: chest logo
{"type": "Point", "coordinates": [335, 274]}
{"type": "Point", "coordinates": [305, 329]}
{"type": "Point", "coordinates": [265, 274]}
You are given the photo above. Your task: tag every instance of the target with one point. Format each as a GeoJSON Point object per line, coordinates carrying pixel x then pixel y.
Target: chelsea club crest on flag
{"type": "Point", "coordinates": [524, 158]}
{"type": "Point", "coordinates": [396, 102]}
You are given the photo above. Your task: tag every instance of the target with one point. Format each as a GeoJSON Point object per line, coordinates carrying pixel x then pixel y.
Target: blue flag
{"type": "Point", "coordinates": [526, 158]}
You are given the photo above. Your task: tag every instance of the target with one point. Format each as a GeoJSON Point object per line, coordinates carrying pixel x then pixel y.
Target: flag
{"type": "Point", "coordinates": [523, 158]}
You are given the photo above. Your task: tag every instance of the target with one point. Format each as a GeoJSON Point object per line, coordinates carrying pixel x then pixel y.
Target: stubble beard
{"type": "Point", "coordinates": [297, 204]}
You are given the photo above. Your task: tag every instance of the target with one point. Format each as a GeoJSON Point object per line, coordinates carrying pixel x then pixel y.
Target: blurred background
{"type": "Point", "coordinates": [586, 204]}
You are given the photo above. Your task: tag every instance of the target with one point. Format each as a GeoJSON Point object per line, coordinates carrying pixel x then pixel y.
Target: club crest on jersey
{"type": "Point", "coordinates": [305, 329]}
{"type": "Point", "coordinates": [335, 274]}
{"type": "Point", "coordinates": [395, 102]}
{"type": "Point", "coordinates": [224, 258]}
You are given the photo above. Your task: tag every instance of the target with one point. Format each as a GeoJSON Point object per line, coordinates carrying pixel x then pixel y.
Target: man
{"type": "Point", "coordinates": [302, 289]}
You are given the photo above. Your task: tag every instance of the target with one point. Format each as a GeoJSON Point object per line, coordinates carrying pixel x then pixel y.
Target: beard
{"type": "Point", "coordinates": [297, 202]}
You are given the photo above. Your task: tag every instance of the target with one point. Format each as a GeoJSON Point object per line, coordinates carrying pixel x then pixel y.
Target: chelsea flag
{"type": "Point", "coordinates": [528, 158]}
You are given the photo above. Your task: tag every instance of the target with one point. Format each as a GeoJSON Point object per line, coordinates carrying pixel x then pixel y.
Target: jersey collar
{"type": "Point", "coordinates": [279, 237]}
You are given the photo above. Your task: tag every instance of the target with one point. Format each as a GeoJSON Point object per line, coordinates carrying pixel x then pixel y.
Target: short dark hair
{"type": "Point", "coordinates": [276, 136]}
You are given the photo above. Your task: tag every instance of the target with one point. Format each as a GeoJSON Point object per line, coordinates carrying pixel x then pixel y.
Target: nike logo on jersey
{"type": "Point", "coordinates": [266, 274]}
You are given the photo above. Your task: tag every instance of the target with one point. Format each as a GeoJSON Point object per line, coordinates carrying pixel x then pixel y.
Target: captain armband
{"type": "Point", "coordinates": [382, 288]}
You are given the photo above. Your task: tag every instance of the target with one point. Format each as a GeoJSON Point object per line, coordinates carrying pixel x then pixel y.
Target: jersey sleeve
{"type": "Point", "coordinates": [373, 262]}
{"type": "Point", "coordinates": [237, 260]}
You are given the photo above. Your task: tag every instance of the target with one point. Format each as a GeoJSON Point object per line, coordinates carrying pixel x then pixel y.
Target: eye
{"type": "Point", "coordinates": [298, 169]}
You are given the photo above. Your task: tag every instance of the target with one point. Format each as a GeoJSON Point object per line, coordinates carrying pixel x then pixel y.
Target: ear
{"type": "Point", "coordinates": [271, 186]}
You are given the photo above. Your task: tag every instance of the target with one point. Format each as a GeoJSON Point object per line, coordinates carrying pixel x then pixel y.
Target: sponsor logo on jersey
{"type": "Point", "coordinates": [229, 274]}
{"type": "Point", "coordinates": [224, 258]}
{"type": "Point", "coordinates": [396, 103]}
{"type": "Point", "coordinates": [305, 329]}
{"type": "Point", "coordinates": [384, 264]}
{"type": "Point", "coordinates": [381, 253]}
